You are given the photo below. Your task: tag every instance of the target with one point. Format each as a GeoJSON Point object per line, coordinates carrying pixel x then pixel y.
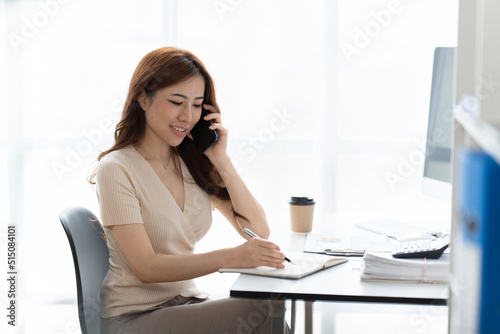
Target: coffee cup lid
{"type": "Point", "coordinates": [301, 200]}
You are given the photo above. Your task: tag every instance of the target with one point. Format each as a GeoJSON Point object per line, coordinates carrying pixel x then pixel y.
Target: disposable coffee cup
{"type": "Point", "coordinates": [301, 214]}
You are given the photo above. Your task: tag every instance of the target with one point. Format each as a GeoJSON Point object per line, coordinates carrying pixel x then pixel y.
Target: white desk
{"type": "Point", "coordinates": [339, 283]}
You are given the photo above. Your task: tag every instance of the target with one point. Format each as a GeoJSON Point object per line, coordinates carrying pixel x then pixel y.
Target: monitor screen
{"type": "Point", "coordinates": [437, 166]}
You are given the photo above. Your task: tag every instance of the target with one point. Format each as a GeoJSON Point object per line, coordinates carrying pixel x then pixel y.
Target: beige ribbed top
{"type": "Point", "coordinates": [130, 192]}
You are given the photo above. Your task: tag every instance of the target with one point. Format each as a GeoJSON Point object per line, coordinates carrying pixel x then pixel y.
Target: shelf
{"type": "Point", "coordinates": [485, 135]}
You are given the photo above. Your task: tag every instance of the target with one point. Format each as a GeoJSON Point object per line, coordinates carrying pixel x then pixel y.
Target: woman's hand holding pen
{"type": "Point", "coordinates": [254, 253]}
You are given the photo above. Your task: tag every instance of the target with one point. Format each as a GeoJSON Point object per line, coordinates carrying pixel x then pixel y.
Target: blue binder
{"type": "Point", "coordinates": [478, 205]}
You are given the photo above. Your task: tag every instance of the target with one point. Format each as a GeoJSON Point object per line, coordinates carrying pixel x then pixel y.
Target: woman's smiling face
{"type": "Point", "coordinates": [173, 111]}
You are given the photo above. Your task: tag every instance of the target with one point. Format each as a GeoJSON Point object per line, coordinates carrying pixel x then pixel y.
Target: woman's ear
{"type": "Point", "coordinates": [143, 100]}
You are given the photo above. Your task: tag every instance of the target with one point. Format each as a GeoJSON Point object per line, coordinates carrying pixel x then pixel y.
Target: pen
{"type": "Point", "coordinates": [253, 235]}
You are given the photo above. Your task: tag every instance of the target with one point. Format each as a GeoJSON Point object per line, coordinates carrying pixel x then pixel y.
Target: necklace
{"type": "Point", "coordinates": [164, 165]}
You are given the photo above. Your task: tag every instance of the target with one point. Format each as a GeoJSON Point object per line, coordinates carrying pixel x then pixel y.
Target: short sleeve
{"type": "Point", "coordinates": [116, 191]}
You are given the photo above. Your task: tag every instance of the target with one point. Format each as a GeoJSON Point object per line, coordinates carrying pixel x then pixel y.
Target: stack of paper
{"type": "Point", "coordinates": [381, 265]}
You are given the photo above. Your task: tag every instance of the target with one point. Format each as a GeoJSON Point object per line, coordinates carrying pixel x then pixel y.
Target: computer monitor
{"type": "Point", "coordinates": [436, 181]}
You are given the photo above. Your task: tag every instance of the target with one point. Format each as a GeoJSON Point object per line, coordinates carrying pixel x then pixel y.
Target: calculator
{"type": "Point", "coordinates": [427, 248]}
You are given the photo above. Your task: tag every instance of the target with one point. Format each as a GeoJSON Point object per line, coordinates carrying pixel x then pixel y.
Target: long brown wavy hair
{"type": "Point", "coordinates": [158, 69]}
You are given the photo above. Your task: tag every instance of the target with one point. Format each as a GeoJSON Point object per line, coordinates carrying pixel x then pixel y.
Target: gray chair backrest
{"type": "Point", "coordinates": [91, 259]}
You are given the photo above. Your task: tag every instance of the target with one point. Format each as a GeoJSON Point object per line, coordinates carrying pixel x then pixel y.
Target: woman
{"type": "Point", "coordinates": [156, 194]}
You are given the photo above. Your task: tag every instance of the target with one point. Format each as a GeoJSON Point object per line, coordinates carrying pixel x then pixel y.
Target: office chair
{"type": "Point", "coordinates": [91, 259]}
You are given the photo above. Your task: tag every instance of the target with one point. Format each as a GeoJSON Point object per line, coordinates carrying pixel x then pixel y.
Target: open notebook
{"type": "Point", "coordinates": [303, 265]}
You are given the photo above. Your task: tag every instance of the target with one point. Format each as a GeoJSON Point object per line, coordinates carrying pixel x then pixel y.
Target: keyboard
{"type": "Point", "coordinates": [394, 229]}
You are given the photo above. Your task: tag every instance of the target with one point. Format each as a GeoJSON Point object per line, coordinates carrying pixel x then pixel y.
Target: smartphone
{"type": "Point", "coordinates": [203, 137]}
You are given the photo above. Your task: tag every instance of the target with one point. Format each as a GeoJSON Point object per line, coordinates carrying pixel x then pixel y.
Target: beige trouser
{"type": "Point", "coordinates": [192, 315]}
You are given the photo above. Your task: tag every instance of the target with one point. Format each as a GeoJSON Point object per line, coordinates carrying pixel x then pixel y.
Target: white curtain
{"type": "Point", "coordinates": [321, 98]}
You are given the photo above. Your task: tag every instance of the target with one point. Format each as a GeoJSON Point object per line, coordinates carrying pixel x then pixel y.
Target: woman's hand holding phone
{"type": "Point", "coordinates": [218, 149]}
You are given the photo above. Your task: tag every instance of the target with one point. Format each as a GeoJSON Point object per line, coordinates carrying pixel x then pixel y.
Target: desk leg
{"type": "Point", "coordinates": [293, 317]}
{"type": "Point", "coordinates": [308, 317]}
{"type": "Point", "coordinates": [278, 317]}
